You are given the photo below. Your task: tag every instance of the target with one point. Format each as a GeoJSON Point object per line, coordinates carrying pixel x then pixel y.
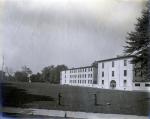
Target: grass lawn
{"type": "Point", "coordinates": [63, 97]}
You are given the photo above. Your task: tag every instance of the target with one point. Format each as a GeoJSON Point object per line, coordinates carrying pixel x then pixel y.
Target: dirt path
{"type": "Point", "coordinates": [69, 114]}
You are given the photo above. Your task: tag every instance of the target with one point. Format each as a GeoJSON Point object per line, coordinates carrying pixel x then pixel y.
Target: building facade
{"type": "Point", "coordinates": [83, 76]}
{"type": "Point", "coordinates": [115, 73]}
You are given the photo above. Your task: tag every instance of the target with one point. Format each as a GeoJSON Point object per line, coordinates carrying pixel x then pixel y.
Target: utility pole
{"type": "Point", "coordinates": [2, 67]}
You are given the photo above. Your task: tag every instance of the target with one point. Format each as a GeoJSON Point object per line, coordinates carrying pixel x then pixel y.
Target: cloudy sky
{"type": "Point", "coordinates": [38, 33]}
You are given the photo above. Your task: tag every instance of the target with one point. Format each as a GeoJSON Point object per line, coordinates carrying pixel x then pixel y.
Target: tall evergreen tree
{"type": "Point", "coordinates": [138, 44]}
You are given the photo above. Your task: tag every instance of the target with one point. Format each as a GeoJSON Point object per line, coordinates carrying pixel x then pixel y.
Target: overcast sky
{"type": "Point", "coordinates": [38, 33]}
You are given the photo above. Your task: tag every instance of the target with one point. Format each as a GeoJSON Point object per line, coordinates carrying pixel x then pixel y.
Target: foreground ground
{"type": "Point", "coordinates": [58, 97]}
{"type": "Point", "coordinates": [57, 114]}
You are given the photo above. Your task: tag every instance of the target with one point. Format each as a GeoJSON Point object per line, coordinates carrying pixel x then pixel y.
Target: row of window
{"type": "Point", "coordinates": [113, 63]}
{"type": "Point", "coordinates": [146, 85]}
{"type": "Point", "coordinates": [125, 81]}
{"type": "Point", "coordinates": [113, 73]}
{"type": "Point", "coordinates": [80, 81]}
{"type": "Point", "coordinates": [81, 76]}
{"type": "Point", "coordinates": [81, 70]}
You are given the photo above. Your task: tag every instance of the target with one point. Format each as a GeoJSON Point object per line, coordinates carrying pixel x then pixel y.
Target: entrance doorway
{"type": "Point", "coordinates": [113, 84]}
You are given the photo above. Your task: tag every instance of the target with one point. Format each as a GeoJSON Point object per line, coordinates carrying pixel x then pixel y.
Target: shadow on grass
{"type": "Point", "coordinates": [14, 97]}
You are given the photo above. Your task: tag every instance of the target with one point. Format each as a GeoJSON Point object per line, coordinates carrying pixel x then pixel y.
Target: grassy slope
{"type": "Point", "coordinates": [44, 95]}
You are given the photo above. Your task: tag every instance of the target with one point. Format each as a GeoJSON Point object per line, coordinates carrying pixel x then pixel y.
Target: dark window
{"type": "Point", "coordinates": [102, 65]}
{"type": "Point", "coordinates": [113, 74]}
{"type": "Point", "coordinates": [125, 72]}
{"type": "Point", "coordinates": [147, 85]}
{"type": "Point", "coordinates": [125, 62]}
{"type": "Point", "coordinates": [85, 70]}
{"type": "Point", "coordinates": [113, 64]}
{"type": "Point", "coordinates": [85, 75]}
{"type": "Point", "coordinates": [125, 81]}
{"type": "Point", "coordinates": [102, 74]}
{"type": "Point", "coordinates": [102, 81]}
{"type": "Point", "coordinates": [137, 84]}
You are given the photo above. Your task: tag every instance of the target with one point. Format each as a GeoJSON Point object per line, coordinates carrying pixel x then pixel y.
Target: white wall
{"type": "Point", "coordinates": [118, 74]}
{"type": "Point", "coordinates": [129, 77]}
{"type": "Point", "coordinates": [142, 86]}
{"type": "Point", "coordinates": [66, 79]}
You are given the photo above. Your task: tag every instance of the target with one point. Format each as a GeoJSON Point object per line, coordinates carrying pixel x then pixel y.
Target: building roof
{"type": "Point", "coordinates": [116, 58]}
{"type": "Point", "coordinates": [79, 68]}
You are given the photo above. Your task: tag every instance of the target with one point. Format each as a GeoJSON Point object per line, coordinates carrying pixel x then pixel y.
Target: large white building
{"type": "Point", "coordinates": [83, 76]}
{"type": "Point", "coordinates": [115, 73]}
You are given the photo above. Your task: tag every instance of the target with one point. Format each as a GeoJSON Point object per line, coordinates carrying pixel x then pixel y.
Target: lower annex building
{"type": "Point", "coordinates": [115, 73]}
